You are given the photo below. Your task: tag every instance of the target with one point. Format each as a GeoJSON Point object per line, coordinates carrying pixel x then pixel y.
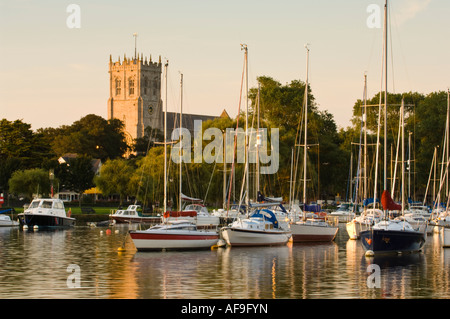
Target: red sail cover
{"type": "Point", "coordinates": [388, 203]}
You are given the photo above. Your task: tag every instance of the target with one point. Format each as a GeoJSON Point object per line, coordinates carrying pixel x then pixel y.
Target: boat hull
{"type": "Point", "coordinates": [354, 228]}
{"type": "Point", "coordinates": [45, 221]}
{"type": "Point", "coordinates": [247, 237]}
{"type": "Point", "coordinates": [312, 233]}
{"type": "Point", "coordinates": [128, 220]}
{"type": "Point", "coordinates": [392, 241]}
{"type": "Point", "coordinates": [151, 241]}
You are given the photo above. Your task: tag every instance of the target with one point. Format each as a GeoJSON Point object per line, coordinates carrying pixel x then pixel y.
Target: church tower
{"type": "Point", "coordinates": [135, 95]}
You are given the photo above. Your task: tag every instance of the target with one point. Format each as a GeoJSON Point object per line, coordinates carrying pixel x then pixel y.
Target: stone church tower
{"type": "Point", "coordinates": [135, 95]}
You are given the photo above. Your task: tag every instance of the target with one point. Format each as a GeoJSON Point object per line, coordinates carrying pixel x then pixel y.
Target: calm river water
{"type": "Point", "coordinates": [84, 262]}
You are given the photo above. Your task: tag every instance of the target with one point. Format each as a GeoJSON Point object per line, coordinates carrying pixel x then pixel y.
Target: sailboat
{"type": "Point", "coordinates": [369, 216]}
{"type": "Point", "coordinates": [174, 234]}
{"type": "Point", "coordinates": [260, 227]}
{"type": "Point", "coordinates": [310, 229]}
{"type": "Point", "coordinates": [392, 235]}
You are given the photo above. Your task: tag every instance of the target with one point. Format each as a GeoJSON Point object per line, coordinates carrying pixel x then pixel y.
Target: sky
{"type": "Point", "coordinates": [54, 66]}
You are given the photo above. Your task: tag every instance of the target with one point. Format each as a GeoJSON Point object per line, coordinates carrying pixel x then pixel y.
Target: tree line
{"type": "Point", "coordinates": [334, 155]}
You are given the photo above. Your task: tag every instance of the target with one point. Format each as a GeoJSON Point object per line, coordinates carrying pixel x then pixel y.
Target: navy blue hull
{"type": "Point", "coordinates": [386, 241]}
{"type": "Point", "coordinates": [43, 221]}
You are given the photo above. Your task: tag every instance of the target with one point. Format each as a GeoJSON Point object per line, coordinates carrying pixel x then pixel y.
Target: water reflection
{"type": "Point", "coordinates": [34, 265]}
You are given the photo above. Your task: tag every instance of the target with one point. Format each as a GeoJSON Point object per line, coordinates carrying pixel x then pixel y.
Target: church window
{"type": "Point", "coordinates": [131, 86]}
{"type": "Point", "coordinates": [118, 87]}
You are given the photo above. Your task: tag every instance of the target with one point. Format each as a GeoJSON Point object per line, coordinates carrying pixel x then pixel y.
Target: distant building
{"type": "Point", "coordinates": [135, 98]}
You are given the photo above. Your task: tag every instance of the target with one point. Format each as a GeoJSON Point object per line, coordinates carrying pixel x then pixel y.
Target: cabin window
{"type": "Point", "coordinates": [46, 204]}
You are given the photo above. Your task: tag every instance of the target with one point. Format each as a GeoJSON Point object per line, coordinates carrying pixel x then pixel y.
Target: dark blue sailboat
{"type": "Point", "coordinates": [392, 236]}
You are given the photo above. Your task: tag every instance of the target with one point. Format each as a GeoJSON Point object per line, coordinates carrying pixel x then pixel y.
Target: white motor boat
{"type": "Point", "coordinates": [261, 228]}
{"type": "Point", "coordinates": [133, 214]}
{"type": "Point", "coordinates": [176, 235]}
{"type": "Point", "coordinates": [6, 221]}
{"type": "Point", "coordinates": [45, 213]}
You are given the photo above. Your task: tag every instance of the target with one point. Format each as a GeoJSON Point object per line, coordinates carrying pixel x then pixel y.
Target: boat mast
{"type": "Point", "coordinates": [385, 91]}
{"type": "Point", "coordinates": [181, 128]}
{"type": "Point", "coordinates": [365, 138]}
{"type": "Point", "coordinates": [306, 126]}
{"type": "Point", "coordinates": [244, 47]}
{"type": "Point", "coordinates": [258, 141]}
{"type": "Point", "coordinates": [165, 141]}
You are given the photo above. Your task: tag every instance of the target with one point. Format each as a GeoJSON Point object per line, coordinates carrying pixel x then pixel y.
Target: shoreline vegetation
{"type": "Point", "coordinates": [136, 172]}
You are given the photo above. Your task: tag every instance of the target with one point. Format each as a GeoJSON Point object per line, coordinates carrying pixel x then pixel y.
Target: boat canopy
{"type": "Point", "coordinates": [190, 199]}
{"type": "Point", "coordinates": [266, 215]}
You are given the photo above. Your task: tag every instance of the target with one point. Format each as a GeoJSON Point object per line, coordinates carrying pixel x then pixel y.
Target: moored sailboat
{"type": "Point", "coordinates": [310, 229]}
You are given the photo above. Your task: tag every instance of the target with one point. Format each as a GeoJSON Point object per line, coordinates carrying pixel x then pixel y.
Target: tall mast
{"type": "Point", "coordinates": [258, 140]}
{"type": "Point", "coordinates": [244, 47]}
{"type": "Point", "coordinates": [165, 139]}
{"type": "Point", "coordinates": [306, 126]}
{"type": "Point", "coordinates": [181, 127]}
{"type": "Point", "coordinates": [385, 91]}
{"type": "Point", "coordinates": [365, 137]}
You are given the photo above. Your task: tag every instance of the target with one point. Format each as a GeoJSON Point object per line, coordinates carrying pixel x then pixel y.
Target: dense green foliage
{"type": "Point", "coordinates": [280, 106]}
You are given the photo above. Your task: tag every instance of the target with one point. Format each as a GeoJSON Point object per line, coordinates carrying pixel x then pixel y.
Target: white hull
{"type": "Point", "coordinates": [304, 232]}
{"type": "Point", "coordinates": [354, 228]}
{"type": "Point", "coordinates": [446, 239]}
{"type": "Point", "coordinates": [246, 237]}
{"type": "Point", "coordinates": [6, 221]}
{"type": "Point", "coordinates": [173, 239]}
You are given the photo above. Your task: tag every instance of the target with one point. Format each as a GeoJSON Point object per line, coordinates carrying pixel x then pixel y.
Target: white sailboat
{"type": "Point", "coordinates": [261, 226]}
{"type": "Point", "coordinates": [174, 234]}
{"type": "Point", "coordinates": [310, 229]}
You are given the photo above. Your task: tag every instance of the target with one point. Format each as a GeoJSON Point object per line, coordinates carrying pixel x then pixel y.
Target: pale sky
{"type": "Point", "coordinates": [52, 75]}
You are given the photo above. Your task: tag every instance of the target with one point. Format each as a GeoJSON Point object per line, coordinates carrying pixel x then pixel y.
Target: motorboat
{"type": "Point", "coordinates": [260, 228]}
{"type": "Point", "coordinates": [133, 214]}
{"type": "Point", "coordinates": [174, 235]}
{"type": "Point", "coordinates": [6, 221]}
{"type": "Point", "coordinates": [45, 213]}
{"type": "Point", "coordinates": [194, 213]}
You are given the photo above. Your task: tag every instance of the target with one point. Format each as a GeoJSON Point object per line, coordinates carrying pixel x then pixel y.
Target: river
{"type": "Point", "coordinates": [85, 263]}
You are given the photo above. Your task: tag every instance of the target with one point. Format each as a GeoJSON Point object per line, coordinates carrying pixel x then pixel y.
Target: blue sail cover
{"type": "Point", "coordinates": [369, 201]}
{"type": "Point", "coordinates": [267, 215]}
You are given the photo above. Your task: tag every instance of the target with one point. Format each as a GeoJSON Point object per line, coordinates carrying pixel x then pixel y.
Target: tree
{"type": "Point", "coordinates": [29, 182]}
{"type": "Point", "coordinates": [77, 174]}
{"type": "Point", "coordinates": [114, 178]}
{"type": "Point", "coordinates": [20, 148]}
{"type": "Point", "coordinates": [92, 136]}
